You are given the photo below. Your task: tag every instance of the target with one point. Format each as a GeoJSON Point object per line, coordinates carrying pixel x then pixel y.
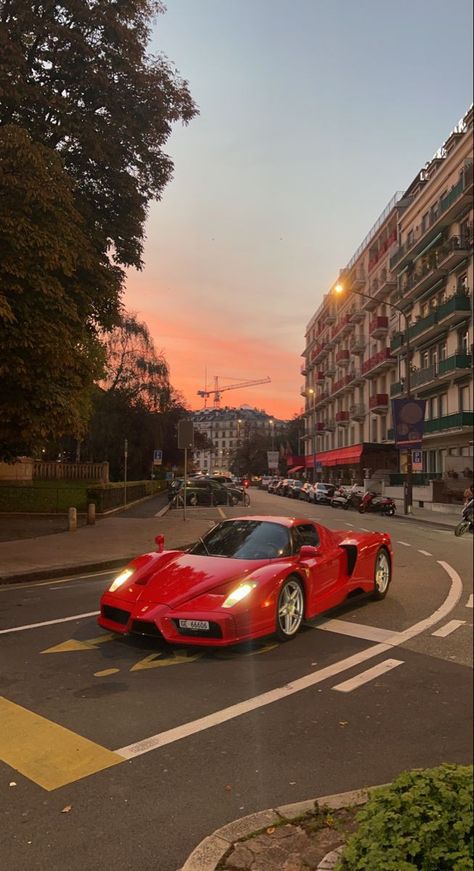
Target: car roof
{"type": "Point", "coordinates": [270, 518]}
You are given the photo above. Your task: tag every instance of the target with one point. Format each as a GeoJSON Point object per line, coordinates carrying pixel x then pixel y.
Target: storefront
{"type": "Point", "coordinates": [352, 464]}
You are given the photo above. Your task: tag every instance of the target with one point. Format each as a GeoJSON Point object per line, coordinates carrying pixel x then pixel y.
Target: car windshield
{"type": "Point", "coordinates": [245, 539]}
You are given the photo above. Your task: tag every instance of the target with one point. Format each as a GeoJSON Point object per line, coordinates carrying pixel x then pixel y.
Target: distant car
{"type": "Point", "coordinates": [264, 482]}
{"type": "Point", "coordinates": [294, 489]}
{"type": "Point", "coordinates": [322, 493]}
{"type": "Point", "coordinates": [273, 484]}
{"type": "Point", "coordinates": [247, 577]}
{"type": "Point", "coordinates": [305, 492]}
{"type": "Point", "coordinates": [205, 491]}
{"type": "Point", "coordinates": [221, 479]}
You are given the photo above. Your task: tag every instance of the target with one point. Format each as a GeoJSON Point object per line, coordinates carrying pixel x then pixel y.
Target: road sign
{"type": "Point", "coordinates": [417, 461]}
{"type": "Point", "coordinates": [272, 459]}
{"type": "Point", "coordinates": [157, 458]}
{"type": "Point", "coordinates": [185, 434]}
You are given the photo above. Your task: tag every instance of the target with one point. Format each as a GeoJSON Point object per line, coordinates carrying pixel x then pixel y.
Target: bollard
{"type": "Point", "coordinates": [72, 519]}
{"type": "Point", "coordinates": [91, 513]}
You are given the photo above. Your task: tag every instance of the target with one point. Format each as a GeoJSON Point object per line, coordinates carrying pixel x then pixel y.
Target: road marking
{"type": "Point", "coordinates": [163, 510]}
{"type": "Point", "coordinates": [252, 704]}
{"type": "Point", "coordinates": [469, 601]}
{"type": "Point", "coordinates": [425, 552]}
{"type": "Point", "coordinates": [46, 753]}
{"type": "Point", "coordinates": [445, 630]}
{"type": "Point", "coordinates": [405, 543]}
{"type": "Point", "coordinates": [237, 710]}
{"type": "Point", "coordinates": [222, 512]}
{"type": "Point", "coordinates": [365, 676]}
{"type": "Point", "coordinates": [74, 644]}
{"type": "Point", "coordinates": [49, 622]}
{"type": "Point", "coordinates": [348, 524]}
{"type": "Point", "coordinates": [158, 660]}
{"type": "Point", "coordinates": [357, 630]}
{"type": "Point", "coordinates": [105, 672]}
{"type": "Point", "coordinates": [4, 588]}
{"type": "Point", "coordinates": [364, 529]}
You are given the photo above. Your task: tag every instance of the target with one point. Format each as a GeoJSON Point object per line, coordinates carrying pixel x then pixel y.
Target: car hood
{"type": "Point", "coordinates": [186, 575]}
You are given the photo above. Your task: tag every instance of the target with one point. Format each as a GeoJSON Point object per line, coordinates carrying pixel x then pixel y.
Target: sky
{"type": "Point", "coordinates": [312, 114]}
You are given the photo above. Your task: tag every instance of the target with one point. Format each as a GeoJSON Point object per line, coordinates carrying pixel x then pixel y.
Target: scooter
{"type": "Point", "coordinates": [380, 504]}
{"type": "Point", "coordinates": [346, 499]}
{"type": "Point", "coordinates": [467, 522]}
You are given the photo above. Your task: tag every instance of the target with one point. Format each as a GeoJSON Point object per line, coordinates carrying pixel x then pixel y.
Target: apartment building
{"type": "Point", "coordinates": [413, 272]}
{"type": "Point", "coordinates": [226, 429]}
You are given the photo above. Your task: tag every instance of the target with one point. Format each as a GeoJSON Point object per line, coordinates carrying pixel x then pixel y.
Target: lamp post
{"type": "Point", "coordinates": [313, 436]}
{"type": "Point", "coordinates": [272, 425]}
{"type": "Point", "coordinates": [408, 488]}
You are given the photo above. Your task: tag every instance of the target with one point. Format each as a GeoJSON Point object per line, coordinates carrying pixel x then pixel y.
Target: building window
{"type": "Point", "coordinates": [463, 341]}
{"type": "Point", "coordinates": [410, 239]}
{"type": "Point", "coordinates": [425, 221]}
{"type": "Point", "coordinates": [434, 356]}
{"type": "Point", "coordinates": [442, 351]}
{"type": "Point", "coordinates": [464, 399]}
{"type": "Point", "coordinates": [443, 405]}
{"type": "Point", "coordinates": [461, 286]}
{"type": "Point", "coordinates": [424, 357]}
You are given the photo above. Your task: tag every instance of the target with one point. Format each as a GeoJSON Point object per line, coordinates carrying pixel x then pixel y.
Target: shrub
{"type": "Point", "coordinates": [424, 820]}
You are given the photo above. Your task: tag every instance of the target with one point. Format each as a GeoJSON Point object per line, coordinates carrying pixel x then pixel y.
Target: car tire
{"type": "Point", "coordinates": [361, 509]}
{"type": "Point", "coordinates": [461, 528]}
{"type": "Point", "coordinates": [382, 573]}
{"type": "Point", "coordinates": [291, 596]}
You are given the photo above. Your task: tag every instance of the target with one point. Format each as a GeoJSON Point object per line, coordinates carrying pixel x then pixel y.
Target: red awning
{"type": "Point", "coordinates": [341, 457]}
{"type": "Point", "coordinates": [295, 469]}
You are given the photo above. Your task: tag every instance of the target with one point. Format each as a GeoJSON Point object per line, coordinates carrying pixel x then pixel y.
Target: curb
{"type": "Point", "coordinates": [210, 851]}
{"type": "Point", "coordinates": [52, 573]}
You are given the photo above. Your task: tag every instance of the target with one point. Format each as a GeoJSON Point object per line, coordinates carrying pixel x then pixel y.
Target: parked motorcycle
{"type": "Point", "coordinates": [346, 497]}
{"type": "Point", "coordinates": [467, 522]}
{"type": "Point", "coordinates": [380, 504]}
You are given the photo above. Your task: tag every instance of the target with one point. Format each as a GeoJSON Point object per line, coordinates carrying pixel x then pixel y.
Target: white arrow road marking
{"type": "Point", "coordinates": [365, 676]}
{"type": "Point", "coordinates": [445, 630]}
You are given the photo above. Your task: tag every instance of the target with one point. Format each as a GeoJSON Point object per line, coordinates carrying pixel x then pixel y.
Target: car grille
{"type": "Point", "coordinates": [146, 627]}
{"type": "Point", "coordinates": [214, 630]}
{"type": "Point", "coordinates": [118, 615]}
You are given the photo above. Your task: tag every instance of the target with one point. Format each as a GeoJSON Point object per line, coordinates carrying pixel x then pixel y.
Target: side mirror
{"type": "Point", "coordinates": [308, 551]}
{"type": "Point", "coordinates": [160, 542]}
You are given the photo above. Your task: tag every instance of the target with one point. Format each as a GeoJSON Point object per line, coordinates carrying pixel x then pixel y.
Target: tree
{"type": "Point", "coordinates": [77, 76]}
{"type": "Point", "coordinates": [52, 300]}
{"type": "Point", "coordinates": [133, 367]}
{"type": "Point", "coordinates": [251, 457]}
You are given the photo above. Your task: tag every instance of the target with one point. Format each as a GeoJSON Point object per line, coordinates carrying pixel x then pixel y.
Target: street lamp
{"type": "Point", "coordinates": [408, 489]}
{"type": "Point", "coordinates": [272, 424]}
{"type": "Point", "coordinates": [313, 436]}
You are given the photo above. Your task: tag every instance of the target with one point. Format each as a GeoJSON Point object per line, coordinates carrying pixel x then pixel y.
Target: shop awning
{"type": "Point", "coordinates": [341, 456]}
{"type": "Point", "coordinates": [295, 469]}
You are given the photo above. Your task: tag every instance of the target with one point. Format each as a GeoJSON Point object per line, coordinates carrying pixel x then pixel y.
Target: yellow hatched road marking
{"type": "Point", "coordinates": [46, 753]}
{"type": "Point", "coordinates": [74, 644]}
{"type": "Point", "coordinates": [157, 660]}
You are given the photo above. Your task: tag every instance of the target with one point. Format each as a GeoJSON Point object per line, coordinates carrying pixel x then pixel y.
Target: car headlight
{"type": "Point", "coordinates": [120, 579]}
{"type": "Point", "coordinates": [238, 594]}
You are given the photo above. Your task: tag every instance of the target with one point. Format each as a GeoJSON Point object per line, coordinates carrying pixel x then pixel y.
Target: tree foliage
{"type": "Point", "coordinates": [52, 298]}
{"type": "Point", "coordinates": [133, 367]}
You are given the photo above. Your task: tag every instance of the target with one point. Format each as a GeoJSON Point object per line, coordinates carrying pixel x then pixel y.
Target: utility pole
{"type": "Point", "coordinates": [125, 459]}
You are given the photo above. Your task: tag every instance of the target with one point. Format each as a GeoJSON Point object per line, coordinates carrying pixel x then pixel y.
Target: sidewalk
{"type": "Point", "coordinates": [114, 541]}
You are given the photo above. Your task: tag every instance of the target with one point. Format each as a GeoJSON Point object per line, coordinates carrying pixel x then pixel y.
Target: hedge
{"type": "Point", "coordinates": [109, 496]}
{"type": "Point", "coordinates": [422, 822]}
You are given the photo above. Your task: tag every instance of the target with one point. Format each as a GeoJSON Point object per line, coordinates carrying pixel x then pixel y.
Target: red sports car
{"type": "Point", "coordinates": [246, 578]}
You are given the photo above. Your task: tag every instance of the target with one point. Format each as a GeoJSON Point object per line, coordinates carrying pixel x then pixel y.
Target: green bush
{"type": "Point", "coordinates": [424, 821]}
{"type": "Point", "coordinates": [109, 496]}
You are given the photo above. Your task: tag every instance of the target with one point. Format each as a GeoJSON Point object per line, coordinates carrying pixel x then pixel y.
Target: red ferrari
{"type": "Point", "coordinates": [246, 578]}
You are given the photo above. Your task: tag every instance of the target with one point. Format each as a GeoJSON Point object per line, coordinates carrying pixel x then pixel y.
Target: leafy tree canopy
{"type": "Point", "coordinates": [77, 76]}
{"type": "Point", "coordinates": [55, 291]}
{"type": "Point", "coordinates": [133, 366]}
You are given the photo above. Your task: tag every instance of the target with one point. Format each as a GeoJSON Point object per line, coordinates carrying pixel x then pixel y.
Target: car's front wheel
{"type": "Point", "coordinates": [382, 574]}
{"type": "Point", "coordinates": [290, 609]}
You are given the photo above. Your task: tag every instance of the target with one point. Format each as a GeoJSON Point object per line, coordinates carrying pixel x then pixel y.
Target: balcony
{"type": "Point", "coordinates": [454, 310]}
{"type": "Point", "coordinates": [442, 214]}
{"type": "Point", "coordinates": [341, 384]}
{"type": "Point", "coordinates": [396, 388]}
{"type": "Point", "coordinates": [319, 427]}
{"type": "Point", "coordinates": [342, 327]}
{"type": "Point", "coordinates": [343, 357]}
{"type": "Point", "coordinates": [378, 327]}
{"type": "Point", "coordinates": [357, 411]}
{"type": "Point", "coordinates": [382, 286]}
{"type": "Point", "coordinates": [357, 316]}
{"type": "Point", "coordinates": [342, 418]}
{"type": "Point", "coordinates": [330, 368]}
{"type": "Point", "coordinates": [319, 376]}
{"type": "Point", "coordinates": [422, 327]}
{"type": "Point", "coordinates": [377, 362]}
{"type": "Point", "coordinates": [369, 302]}
{"type": "Point", "coordinates": [425, 275]}
{"type": "Point", "coordinates": [322, 398]}
{"type": "Point", "coordinates": [329, 425]}
{"type": "Point", "coordinates": [303, 390]}
{"type": "Point", "coordinates": [357, 279]}
{"type": "Point", "coordinates": [460, 420]}
{"type": "Point", "coordinates": [329, 318]}
{"type": "Point", "coordinates": [422, 377]}
{"type": "Point", "coordinates": [453, 251]}
{"type": "Point", "coordinates": [455, 364]}
{"type": "Point", "coordinates": [355, 377]}
{"type": "Point", "coordinates": [357, 345]}
{"type": "Point", "coordinates": [304, 369]}
{"type": "Point", "coordinates": [378, 403]}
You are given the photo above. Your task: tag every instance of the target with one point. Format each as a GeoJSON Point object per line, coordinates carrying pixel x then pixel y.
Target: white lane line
{"type": "Point", "coordinates": [405, 543]}
{"type": "Point", "coordinates": [218, 717]}
{"type": "Point", "coordinates": [49, 622]}
{"type": "Point", "coordinates": [222, 716]}
{"type": "Point", "coordinates": [425, 552]}
{"type": "Point", "coordinates": [365, 676]}
{"type": "Point", "coordinates": [357, 630]}
{"type": "Point", "coordinates": [364, 529]}
{"type": "Point", "coordinates": [469, 601]}
{"type": "Point", "coordinates": [163, 510]}
{"type": "Point", "coordinates": [445, 630]}
{"type": "Point", "coordinates": [348, 524]}
{"type": "Point", "coordinates": [4, 588]}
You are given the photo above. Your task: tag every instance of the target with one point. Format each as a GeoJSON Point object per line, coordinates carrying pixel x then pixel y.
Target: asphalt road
{"type": "Point", "coordinates": [317, 736]}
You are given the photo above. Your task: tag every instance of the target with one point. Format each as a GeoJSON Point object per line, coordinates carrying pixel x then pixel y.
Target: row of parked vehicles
{"type": "Point", "coordinates": [321, 493]}
{"type": "Point", "coordinates": [208, 490]}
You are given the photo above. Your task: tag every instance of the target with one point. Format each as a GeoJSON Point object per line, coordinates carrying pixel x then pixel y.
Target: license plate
{"type": "Point", "coordinates": [202, 625]}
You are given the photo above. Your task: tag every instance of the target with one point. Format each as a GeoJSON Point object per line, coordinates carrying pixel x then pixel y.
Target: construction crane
{"type": "Point", "coordinates": [218, 390]}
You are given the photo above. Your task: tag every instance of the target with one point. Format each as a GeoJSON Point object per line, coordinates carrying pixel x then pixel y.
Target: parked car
{"type": "Point", "coordinates": [281, 486]}
{"type": "Point", "coordinates": [273, 484]}
{"type": "Point", "coordinates": [264, 482]}
{"type": "Point", "coordinates": [294, 489]}
{"type": "Point", "coordinates": [305, 492]}
{"type": "Point", "coordinates": [205, 491]}
{"type": "Point", "coordinates": [322, 493]}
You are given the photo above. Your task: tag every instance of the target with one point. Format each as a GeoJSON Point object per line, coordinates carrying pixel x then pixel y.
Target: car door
{"type": "Point", "coordinates": [323, 571]}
